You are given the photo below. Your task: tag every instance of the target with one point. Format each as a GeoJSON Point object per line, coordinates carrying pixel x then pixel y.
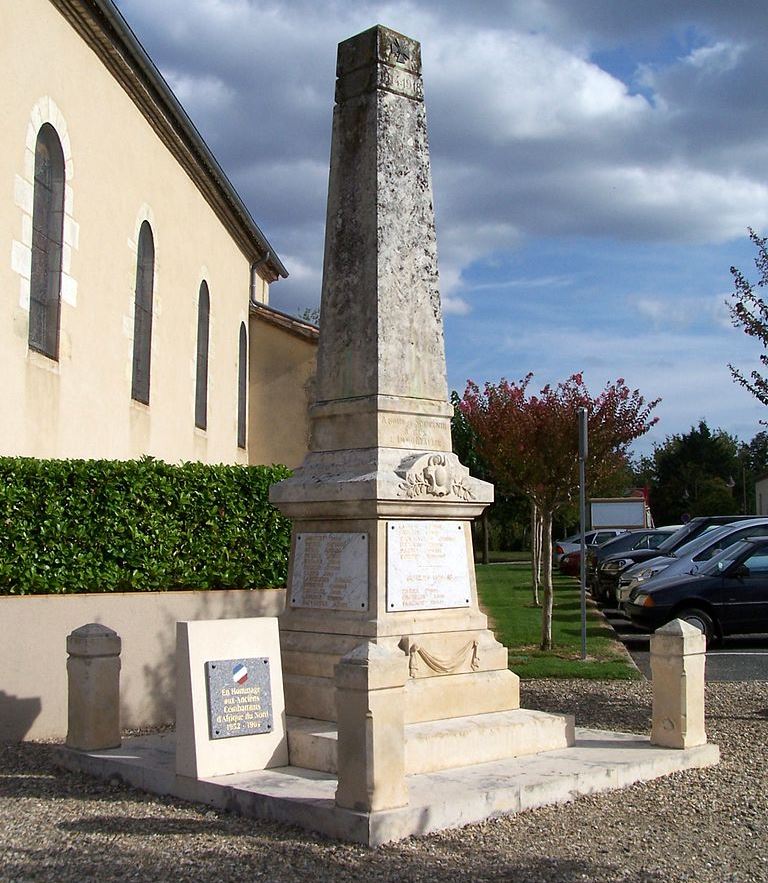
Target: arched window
{"type": "Point", "coordinates": [242, 386]}
{"type": "Point", "coordinates": [201, 382]}
{"type": "Point", "coordinates": [47, 235]}
{"type": "Point", "coordinates": [142, 316]}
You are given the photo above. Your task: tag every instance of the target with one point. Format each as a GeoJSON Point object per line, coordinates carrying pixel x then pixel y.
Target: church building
{"type": "Point", "coordinates": [134, 283]}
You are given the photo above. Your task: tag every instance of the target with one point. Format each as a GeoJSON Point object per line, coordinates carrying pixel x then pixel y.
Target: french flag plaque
{"type": "Point", "coordinates": [239, 697]}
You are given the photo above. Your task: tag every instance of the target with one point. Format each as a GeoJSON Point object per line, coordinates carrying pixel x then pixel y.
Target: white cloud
{"type": "Point", "coordinates": [516, 86]}
{"type": "Point", "coordinates": [207, 93]}
{"type": "Point", "coordinates": [716, 59]}
{"type": "Point", "coordinates": [524, 282]}
{"type": "Point", "coordinates": [455, 306]}
{"type": "Point", "coordinates": [530, 139]}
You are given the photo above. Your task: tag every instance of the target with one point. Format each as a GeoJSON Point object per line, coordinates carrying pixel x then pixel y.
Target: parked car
{"type": "Point", "coordinates": [728, 595]}
{"type": "Point", "coordinates": [592, 538]}
{"type": "Point", "coordinates": [690, 556]}
{"type": "Point", "coordinates": [643, 538]}
{"type": "Point", "coordinates": [570, 564]}
{"type": "Point", "coordinates": [612, 566]}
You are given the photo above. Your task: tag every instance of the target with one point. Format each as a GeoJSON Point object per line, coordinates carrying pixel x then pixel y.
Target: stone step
{"type": "Point", "coordinates": [598, 761]}
{"type": "Point", "coordinates": [446, 744]}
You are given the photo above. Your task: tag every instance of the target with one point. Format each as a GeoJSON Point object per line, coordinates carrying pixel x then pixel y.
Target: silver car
{"type": "Point", "coordinates": [688, 557]}
{"type": "Point", "coordinates": [591, 538]}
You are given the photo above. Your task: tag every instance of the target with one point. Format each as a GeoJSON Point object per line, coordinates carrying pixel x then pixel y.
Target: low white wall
{"type": "Point", "coordinates": [33, 654]}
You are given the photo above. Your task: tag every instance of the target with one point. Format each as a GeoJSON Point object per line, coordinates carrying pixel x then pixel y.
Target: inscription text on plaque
{"type": "Point", "coordinates": [239, 697]}
{"type": "Point", "coordinates": [427, 565]}
{"type": "Point", "coordinates": [330, 571]}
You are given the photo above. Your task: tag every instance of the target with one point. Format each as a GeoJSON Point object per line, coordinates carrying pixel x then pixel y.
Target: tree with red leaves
{"type": "Point", "coordinates": [749, 311]}
{"type": "Point", "coordinates": [530, 443]}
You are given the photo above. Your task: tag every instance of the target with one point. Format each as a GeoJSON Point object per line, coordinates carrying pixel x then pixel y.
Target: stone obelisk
{"type": "Point", "coordinates": [381, 559]}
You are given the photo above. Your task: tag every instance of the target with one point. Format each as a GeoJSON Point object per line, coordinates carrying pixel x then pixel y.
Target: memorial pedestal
{"type": "Point", "coordinates": [412, 589]}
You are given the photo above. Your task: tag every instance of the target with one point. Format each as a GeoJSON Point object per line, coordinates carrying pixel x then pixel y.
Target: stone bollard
{"type": "Point", "coordinates": [371, 747]}
{"type": "Point", "coordinates": [93, 671]}
{"type": "Point", "coordinates": [678, 654]}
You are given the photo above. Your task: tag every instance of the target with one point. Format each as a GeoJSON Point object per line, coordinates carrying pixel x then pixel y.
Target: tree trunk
{"type": "Point", "coordinates": [535, 553]}
{"type": "Point", "coordinates": [546, 581]}
{"type": "Point", "coordinates": [486, 555]}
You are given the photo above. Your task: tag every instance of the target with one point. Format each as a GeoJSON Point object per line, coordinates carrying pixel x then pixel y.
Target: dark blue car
{"type": "Point", "coordinates": [728, 596]}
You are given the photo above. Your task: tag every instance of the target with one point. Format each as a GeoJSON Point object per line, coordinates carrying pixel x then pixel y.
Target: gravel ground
{"type": "Point", "coordinates": [704, 825]}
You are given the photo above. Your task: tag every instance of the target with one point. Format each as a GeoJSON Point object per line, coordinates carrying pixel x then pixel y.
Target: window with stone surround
{"type": "Point", "coordinates": [201, 381]}
{"type": "Point", "coordinates": [242, 386]}
{"type": "Point", "coordinates": [142, 317]}
{"type": "Point", "coordinates": [47, 241]}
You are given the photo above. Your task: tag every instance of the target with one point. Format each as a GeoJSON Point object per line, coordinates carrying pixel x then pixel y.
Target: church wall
{"type": "Point", "coordinates": [282, 373]}
{"type": "Point", "coordinates": [118, 174]}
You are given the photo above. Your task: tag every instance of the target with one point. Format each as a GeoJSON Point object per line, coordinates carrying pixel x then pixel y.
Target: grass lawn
{"type": "Point", "coordinates": [505, 595]}
{"type": "Point", "coordinates": [503, 556]}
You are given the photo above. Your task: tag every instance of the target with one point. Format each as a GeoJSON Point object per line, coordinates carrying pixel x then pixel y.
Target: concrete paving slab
{"type": "Point", "coordinates": [598, 761]}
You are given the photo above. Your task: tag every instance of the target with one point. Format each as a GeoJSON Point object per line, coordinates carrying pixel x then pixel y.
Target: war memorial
{"type": "Point", "coordinates": [381, 706]}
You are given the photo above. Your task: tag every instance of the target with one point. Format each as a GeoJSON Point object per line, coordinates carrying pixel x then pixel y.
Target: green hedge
{"type": "Point", "coordinates": [71, 526]}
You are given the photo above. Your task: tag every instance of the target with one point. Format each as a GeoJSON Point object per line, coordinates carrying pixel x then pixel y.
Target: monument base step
{"type": "Point", "coordinates": [445, 744]}
{"type": "Point", "coordinates": [598, 761]}
{"type": "Point", "coordinates": [464, 694]}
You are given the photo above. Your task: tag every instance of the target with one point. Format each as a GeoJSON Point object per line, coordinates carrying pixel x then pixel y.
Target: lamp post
{"type": "Point", "coordinates": [583, 442]}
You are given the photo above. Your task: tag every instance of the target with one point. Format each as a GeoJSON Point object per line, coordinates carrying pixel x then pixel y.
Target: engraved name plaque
{"type": "Point", "coordinates": [239, 697]}
{"type": "Point", "coordinates": [427, 565]}
{"type": "Point", "coordinates": [330, 571]}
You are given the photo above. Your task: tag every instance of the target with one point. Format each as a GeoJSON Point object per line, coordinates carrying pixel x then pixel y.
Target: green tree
{"type": "Point", "coordinates": [753, 460]}
{"type": "Point", "coordinates": [311, 315]}
{"type": "Point", "coordinates": [750, 313]}
{"type": "Point", "coordinates": [694, 473]}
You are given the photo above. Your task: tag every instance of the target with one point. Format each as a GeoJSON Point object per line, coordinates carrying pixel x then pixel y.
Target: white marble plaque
{"type": "Point", "coordinates": [330, 571]}
{"type": "Point", "coordinates": [427, 565]}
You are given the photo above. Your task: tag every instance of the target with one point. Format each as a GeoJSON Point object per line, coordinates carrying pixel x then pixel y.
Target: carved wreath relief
{"type": "Point", "coordinates": [433, 476]}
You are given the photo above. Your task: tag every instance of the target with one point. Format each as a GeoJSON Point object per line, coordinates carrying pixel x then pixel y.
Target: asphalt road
{"type": "Point", "coordinates": [740, 658]}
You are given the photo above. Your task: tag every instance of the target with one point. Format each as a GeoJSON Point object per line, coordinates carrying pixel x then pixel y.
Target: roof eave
{"type": "Point", "coordinates": [105, 30]}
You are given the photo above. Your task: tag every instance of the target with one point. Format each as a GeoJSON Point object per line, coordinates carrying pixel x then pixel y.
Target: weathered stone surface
{"type": "Point", "coordinates": [253, 737]}
{"type": "Point", "coordinates": [598, 761]}
{"type": "Point", "coordinates": [371, 744]}
{"type": "Point", "coordinates": [678, 658]}
{"type": "Point", "coordinates": [382, 325]}
{"type": "Point", "coordinates": [93, 673]}
{"type": "Point", "coordinates": [380, 450]}
{"type": "Point", "coordinates": [330, 571]}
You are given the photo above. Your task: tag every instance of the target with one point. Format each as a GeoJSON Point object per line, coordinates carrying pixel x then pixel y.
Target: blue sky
{"type": "Point", "coordinates": [596, 164]}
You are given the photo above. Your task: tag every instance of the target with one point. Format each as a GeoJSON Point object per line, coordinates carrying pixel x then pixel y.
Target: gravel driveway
{"type": "Point", "coordinates": [704, 825]}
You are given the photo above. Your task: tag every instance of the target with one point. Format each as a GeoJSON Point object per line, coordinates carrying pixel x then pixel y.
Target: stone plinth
{"type": "Point", "coordinates": [371, 748]}
{"type": "Point", "coordinates": [598, 761]}
{"type": "Point", "coordinates": [678, 656]}
{"type": "Point", "coordinates": [93, 672]}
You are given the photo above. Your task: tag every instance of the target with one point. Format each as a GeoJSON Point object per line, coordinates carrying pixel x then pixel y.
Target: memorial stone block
{"type": "Point", "coordinates": [230, 711]}
{"type": "Point", "coordinates": [380, 460]}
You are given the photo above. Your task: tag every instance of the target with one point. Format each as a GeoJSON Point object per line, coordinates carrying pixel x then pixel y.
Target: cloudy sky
{"type": "Point", "coordinates": [596, 165]}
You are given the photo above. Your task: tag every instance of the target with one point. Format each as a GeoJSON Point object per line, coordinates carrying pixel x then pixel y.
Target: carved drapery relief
{"type": "Point", "coordinates": [446, 665]}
